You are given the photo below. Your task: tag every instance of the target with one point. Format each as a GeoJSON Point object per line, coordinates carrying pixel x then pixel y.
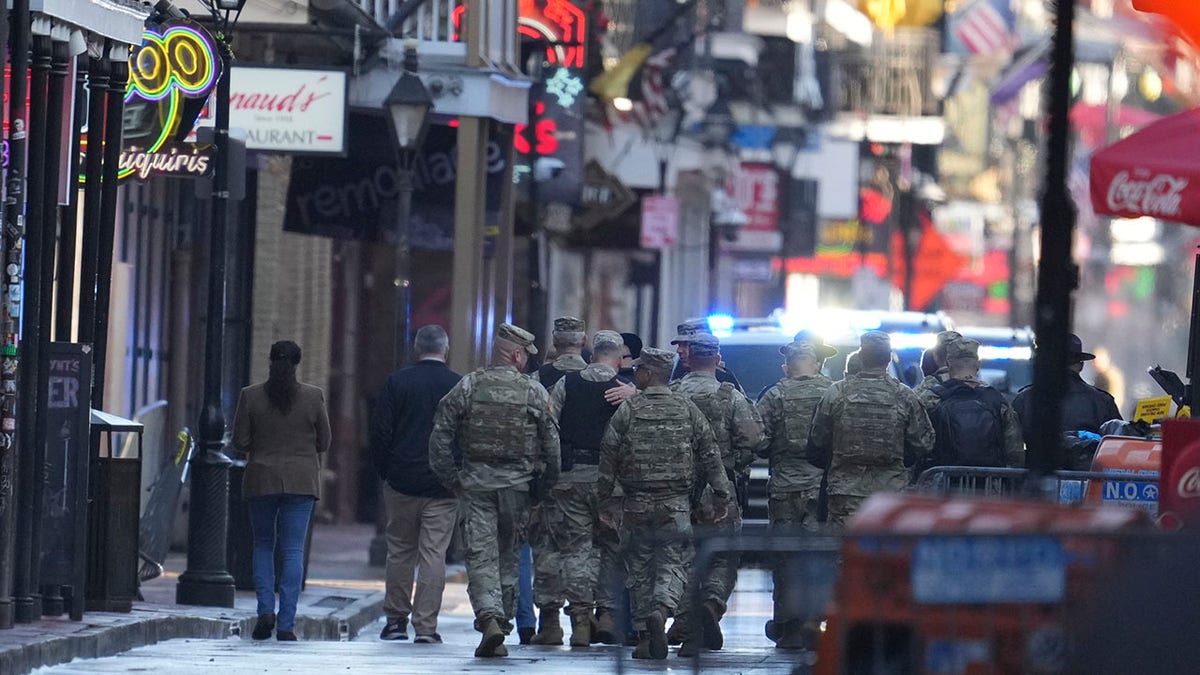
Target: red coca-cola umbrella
{"type": "Point", "coordinates": [1154, 172]}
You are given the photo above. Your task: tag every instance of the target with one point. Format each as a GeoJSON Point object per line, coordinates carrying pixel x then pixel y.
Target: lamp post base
{"type": "Point", "coordinates": [206, 589]}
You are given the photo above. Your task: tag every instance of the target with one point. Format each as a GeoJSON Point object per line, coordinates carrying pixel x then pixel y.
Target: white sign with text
{"type": "Point", "coordinates": [289, 110]}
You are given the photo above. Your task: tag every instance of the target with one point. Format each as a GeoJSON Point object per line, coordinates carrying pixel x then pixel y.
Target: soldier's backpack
{"type": "Point", "coordinates": [717, 406]}
{"type": "Point", "coordinates": [968, 422]}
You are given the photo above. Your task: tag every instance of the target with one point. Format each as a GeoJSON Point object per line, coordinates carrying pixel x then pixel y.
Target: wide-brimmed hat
{"type": "Point", "coordinates": [806, 336]}
{"type": "Point", "coordinates": [1075, 350]}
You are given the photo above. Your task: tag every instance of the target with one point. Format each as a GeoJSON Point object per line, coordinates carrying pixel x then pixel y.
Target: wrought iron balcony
{"type": "Point", "coordinates": [488, 38]}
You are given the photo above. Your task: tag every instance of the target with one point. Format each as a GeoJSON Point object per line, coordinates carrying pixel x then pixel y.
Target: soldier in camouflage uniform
{"type": "Point", "coordinates": [685, 331]}
{"type": "Point", "coordinates": [500, 420]}
{"type": "Point", "coordinates": [795, 484]}
{"type": "Point", "coordinates": [924, 389]}
{"type": "Point", "coordinates": [866, 430]}
{"type": "Point", "coordinates": [570, 518]}
{"type": "Point", "coordinates": [739, 433]}
{"type": "Point", "coordinates": [962, 362]}
{"type": "Point", "coordinates": [539, 584]}
{"type": "Point", "coordinates": [657, 446]}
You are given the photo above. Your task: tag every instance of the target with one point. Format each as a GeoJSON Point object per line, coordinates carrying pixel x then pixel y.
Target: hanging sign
{"type": "Point", "coordinates": [171, 75]}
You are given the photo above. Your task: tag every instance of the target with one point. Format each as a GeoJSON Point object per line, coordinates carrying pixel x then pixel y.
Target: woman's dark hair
{"type": "Point", "coordinates": [281, 384]}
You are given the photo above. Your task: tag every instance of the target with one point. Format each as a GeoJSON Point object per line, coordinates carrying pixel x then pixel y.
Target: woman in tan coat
{"type": "Point", "coordinates": [283, 427]}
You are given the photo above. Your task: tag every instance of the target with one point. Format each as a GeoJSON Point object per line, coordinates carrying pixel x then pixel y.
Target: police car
{"type": "Point", "coordinates": [750, 349]}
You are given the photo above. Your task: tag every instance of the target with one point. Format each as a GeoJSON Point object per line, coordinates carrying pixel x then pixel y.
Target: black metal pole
{"type": "Point", "coordinates": [404, 174]}
{"type": "Point", "coordinates": [206, 580]}
{"type": "Point", "coordinates": [28, 600]}
{"type": "Point", "coordinates": [60, 58]}
{"type": "Point", "coordinates": [69, 225]}
{"type": "Point", "coordinates": [93, 172]}
{"type": "Point", "coordinates": [1057, 273]}
{"type": "Point", "coordinates": [115, 109]}
{"type": "Point", "coordinates": [17, 44]}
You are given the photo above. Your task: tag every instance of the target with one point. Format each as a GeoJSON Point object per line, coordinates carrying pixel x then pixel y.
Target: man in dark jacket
{"type": "Point", "coordinates": [1084, 407]}
{"type": "Point", "coordinates": [421, 511]}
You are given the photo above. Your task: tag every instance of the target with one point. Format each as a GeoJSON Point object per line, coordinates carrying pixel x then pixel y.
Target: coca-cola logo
{"type": "Point", "coordinates": [1160, 195]}
{"type": "Point", "coordinates": [1189, 484]}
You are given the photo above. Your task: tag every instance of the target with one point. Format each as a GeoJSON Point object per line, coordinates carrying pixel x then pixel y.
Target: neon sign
{"type": "Point", "coordinates": [171, 75]}
{"type": "Point", "coordinates": [558, 22]}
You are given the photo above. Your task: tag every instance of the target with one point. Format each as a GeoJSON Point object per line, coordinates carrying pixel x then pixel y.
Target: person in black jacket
{"type": "Point", "coordinates": [1084, 407]}
{"type": "Point", "coordinates": [421, 512]}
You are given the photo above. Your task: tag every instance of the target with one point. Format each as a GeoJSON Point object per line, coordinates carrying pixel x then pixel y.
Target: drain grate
{"type": "Point", "coordinates": [333, 602]}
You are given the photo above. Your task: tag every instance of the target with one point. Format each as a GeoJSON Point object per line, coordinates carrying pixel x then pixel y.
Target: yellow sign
{"type": "Point", "coordinates": [1185, 411]}
{"type": "Point", "coordinates": [888, 14]}
{"type": "Point", "coordinates": [1153, 409]}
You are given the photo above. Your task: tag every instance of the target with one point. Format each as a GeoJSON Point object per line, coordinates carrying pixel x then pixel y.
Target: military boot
{"type": "Point", "coordinates": [657, 632]}
{"type": "Point", "coordinates": [606, 628]}
{"type": "Point", "coordinates": [550, 632]}
{"type": "Point", "coordinates": [492, 642]}
{"type": "Point", "coordinates": [642, 650]}
{"type": "Point", "coordinates": [772, 629]}
{"type": "Point", "coordinates": [679, 631]}
{"type": "Point", "coordinates": [581, 629]}
{"type": "Point", "coordinates": [689, 648]}
{"type": "Point", "coordinates": [710, 625]}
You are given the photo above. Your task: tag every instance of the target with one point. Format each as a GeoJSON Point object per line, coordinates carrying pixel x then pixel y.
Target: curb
{"type": "Point", "coordinates": [109, 640]}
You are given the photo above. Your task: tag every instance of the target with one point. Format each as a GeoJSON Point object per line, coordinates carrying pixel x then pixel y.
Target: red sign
{"type": "Point", "coordinates": [935, 264]}
{"type": "Point", "coordinates": [557, 22]}
{"type": "Point", "coordinates": [1179, 480]}
{"type": "Point", "coordinates": [755, 190]}
{"type": "Point", "coordinates": [660, 221]}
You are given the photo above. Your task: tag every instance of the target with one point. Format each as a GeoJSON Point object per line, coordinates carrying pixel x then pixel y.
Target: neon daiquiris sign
{"type": "Point", "coordinates": [171, 75]}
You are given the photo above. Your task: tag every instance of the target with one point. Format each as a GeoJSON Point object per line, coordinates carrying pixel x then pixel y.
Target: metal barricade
{"type": "Point", "coordinates": [1064, 487]}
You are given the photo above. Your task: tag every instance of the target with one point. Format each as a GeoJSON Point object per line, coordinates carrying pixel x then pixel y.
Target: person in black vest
{"type": "Point", "coordinates": [565, 562]}
{"type": "Point", "coordinates": [1084, 407]}
{"type": "Point", "coordinates": [569, 340]}
{"type": "Point", "coordinates": [973, 422]}
{"type": "Point", "coordinates": [421, 511]}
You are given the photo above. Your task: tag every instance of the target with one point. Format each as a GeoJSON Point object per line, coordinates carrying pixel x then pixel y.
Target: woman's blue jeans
{"type": "Point", "coordinates": [286, 515]}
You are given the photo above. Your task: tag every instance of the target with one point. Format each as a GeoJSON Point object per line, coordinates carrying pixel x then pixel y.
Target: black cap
{"type": "Point", "coordinates": [634, 343]}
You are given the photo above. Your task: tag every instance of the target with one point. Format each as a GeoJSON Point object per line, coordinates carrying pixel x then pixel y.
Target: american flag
{"type": "Point", "coordinates": [985, 27]}
{"type": "Point", "coordinates": [653, 104]}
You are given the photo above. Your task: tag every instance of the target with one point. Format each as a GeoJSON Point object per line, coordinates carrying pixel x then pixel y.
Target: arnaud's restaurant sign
{"type": "Point", "coordinates": [171, 75]}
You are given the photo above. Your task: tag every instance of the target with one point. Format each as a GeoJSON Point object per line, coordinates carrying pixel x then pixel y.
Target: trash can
{"type": "Point", "coordinates": [114, 505]}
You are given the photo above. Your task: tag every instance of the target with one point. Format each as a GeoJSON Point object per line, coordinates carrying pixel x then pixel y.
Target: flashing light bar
{"type": "Point", "coordinates": [720, 324]}
{"type": "Point", "coordinates": [994, 353]}
{"type": "Point", "coordinates": [913, 340]}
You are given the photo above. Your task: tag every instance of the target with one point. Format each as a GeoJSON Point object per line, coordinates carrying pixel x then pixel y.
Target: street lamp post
{"type": "Point", "coordinates": [408, 106]}
{"type": "Point", "coordinates": [206, 580]}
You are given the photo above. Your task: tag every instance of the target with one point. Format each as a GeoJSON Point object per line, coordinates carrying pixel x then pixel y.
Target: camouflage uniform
{"type": "Point", "coordinates": [867, 429]}
{"type": "Point", "coordinates": [655, 446]}
{"type": "Point", "coordinates": [1010, 423]}
{"type": "Point", "coordinates": [924, 388]}
{"type": "Point", "coordinates": [501, 421]}
{"type": "Point", "coordinates": [795, 485]}
{"type": "Point", "coordinates": [738, 430]}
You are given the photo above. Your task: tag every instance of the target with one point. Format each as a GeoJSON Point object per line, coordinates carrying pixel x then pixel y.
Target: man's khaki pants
{"type": "Point", "coordinates": [419, 530]}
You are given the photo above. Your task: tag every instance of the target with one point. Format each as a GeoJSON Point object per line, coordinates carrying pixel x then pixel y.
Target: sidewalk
{"type": "Point", "coordinates": [343, 594]}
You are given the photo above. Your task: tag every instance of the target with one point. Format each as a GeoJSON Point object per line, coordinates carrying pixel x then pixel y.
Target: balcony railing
{"type": "Point", "coordinates": [447, 22]}
{"type": "Point", "coordinates": [893, 76]}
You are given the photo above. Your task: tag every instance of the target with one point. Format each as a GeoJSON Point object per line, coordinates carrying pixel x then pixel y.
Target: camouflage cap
{"type": "Point", "coordinates": [704, 344]}
{"type": "Point", "coordinates": [944, 338]}
{"type": "Point", "coordinates": [607, 337]}
{"type": "Point", "coordinates": [569, 324]}
{"type": "Point", "coordinates": [807, 336]}
{"type": "Point", "coordinates": [689, 328]}
{"type": "Point", "coordinates": [516, 335]}
{"type": "Point", "coordinates": [660, 361]}
{"type": "Point", "coordinates": [799, 350]}
{"type": "Point", "coordinates": [875, 342]}
{"type": "Point", "coordinates": [962, 349]}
